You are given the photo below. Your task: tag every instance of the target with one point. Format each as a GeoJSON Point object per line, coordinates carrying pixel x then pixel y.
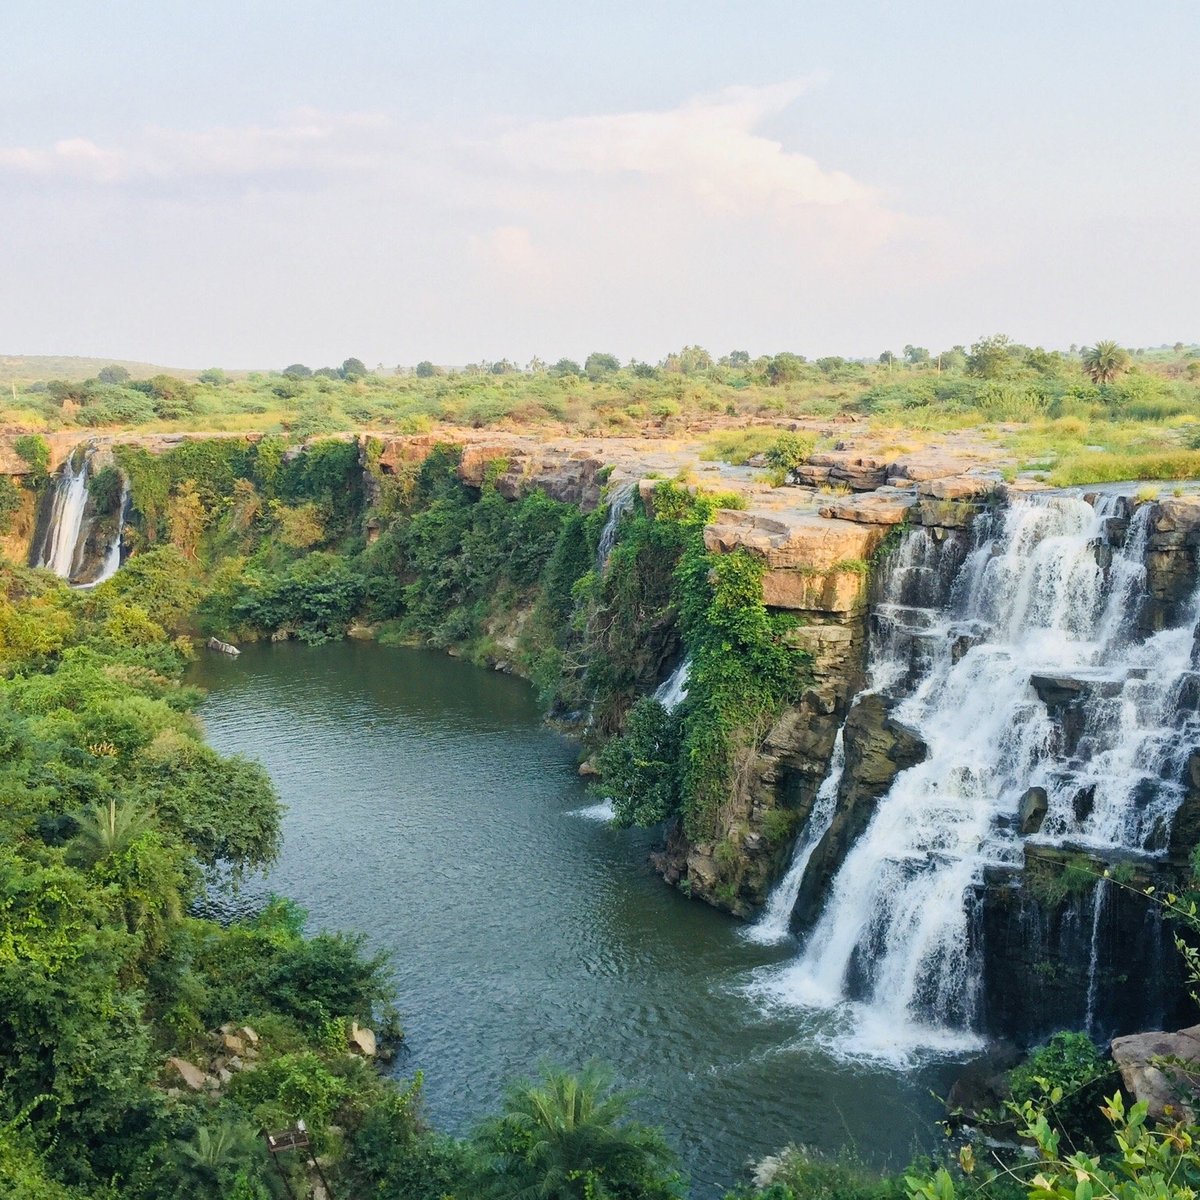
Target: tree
{"type": "Point", "coordinates": [566, 366]}
{"type": "Point", "coordinates": [990, 357]}
{"type": "Point", "coordinates": [214, 377]}
{"type": "Point", "coordinates": [739, 358]}
{"type": "Point", "coordinates": [689, 361]}
{"type": "Point", "coordinates": [107, 830]}
{"type": "Point", "coordinates": [214, 1156]}
{"type": "Point", "coordinates": [186, 517]}
{"type": "Point", "coordinates": [598, 365]}
{"type": "Point", "coordinates": [916, 354]}
{"type": "Point", "coordinates": [887, 358]}
{"type": "Point", "coordinates": [568, 1137]}
{"type": "Point", "coordinates": [640, 769]}
{"type": "Point", "coordinates": [298, 371]}
{"type": "Point", "coordinates": [426, 369]}
{"type": "Point", "coordinates": [1105, 361]}
{"type": "Point", "coordinates": [113, 374]}
{"type": "Point", "coordinates": [353, 368]}
{"type": "Point", "coordinates": [784, 368]}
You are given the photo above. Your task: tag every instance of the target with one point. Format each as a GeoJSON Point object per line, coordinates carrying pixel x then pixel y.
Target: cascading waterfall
{"type": "Point", "coordinates": [919, 572]}
{"type": "Point", "coordinates": [673, 690]}
{"type": "Point", "coordinates": [112, 556]}
{"type": "Point", "coordinates": [66, 518]}
{"type": "Point", "coordinates": [620, 501]}
{"type": "Point", "coordinates": [1037, 602]}
{"type": "Point", "coordinates": [69, 526]}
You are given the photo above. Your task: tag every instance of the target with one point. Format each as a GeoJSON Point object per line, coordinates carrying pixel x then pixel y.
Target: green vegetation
{"type": "Point", "coordinates": [117, 816]}
{"type": "Point", "coordinates": [995, 382]}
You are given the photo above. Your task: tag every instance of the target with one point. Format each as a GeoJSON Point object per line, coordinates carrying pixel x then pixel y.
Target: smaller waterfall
{"type": "Point", "coordinates": [620, 501]}
{"type": "Point", "coordinates": [673, 690]}
{"type": "Point", "coordinates": [66, 518]}
{"type": "Point", "coordinates": [112, 556]}
{"type": "Point", "coordinates": [773, 925]}
{"type": "Point", "coordinates": [68, 547]}
{"type": "Point", "coordinates": [1099, 899]}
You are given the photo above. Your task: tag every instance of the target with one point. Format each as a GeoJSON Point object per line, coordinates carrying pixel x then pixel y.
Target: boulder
{"type": "Point", "coordinates": [232, 1044]}
{"type": "Point", "coordinates": [860, 472]}
{"type": "Point", "coordinates": [222, 647]}
{"type": "Point", "coordinates": [1155, 1068]}
{"type": "Point", "coordinates": [191, 1074]}
{"type": "Point", "coordinates": [363, 1039]}
{"type": "Point", "coordinates": [789, 540]}
{"type": "Point", "coordinates": [1032, 811]}
{"type": "Point", "coordinates": [958, 487]}
{"type": "Point", "coordinates": [836, 591]}
{"type": "Point", "coordinates": [475, 460]}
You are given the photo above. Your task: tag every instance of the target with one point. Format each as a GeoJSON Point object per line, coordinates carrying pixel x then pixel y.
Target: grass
{"type": "Point", "coordinates": [736, 446]}
{"type": "Point", "coordinates": [1097, 467]}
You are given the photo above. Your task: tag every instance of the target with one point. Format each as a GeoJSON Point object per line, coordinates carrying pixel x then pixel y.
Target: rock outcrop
{"type": "Point", "coordinates": [1163, 1069]}
{"type": "Point", "coordinates": [877, 748]}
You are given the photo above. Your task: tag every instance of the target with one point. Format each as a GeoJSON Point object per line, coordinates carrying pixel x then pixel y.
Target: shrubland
{"type": "Point", "coordinates": [1076, 404]}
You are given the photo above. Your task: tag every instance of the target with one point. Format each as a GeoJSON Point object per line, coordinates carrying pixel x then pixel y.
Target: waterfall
{"type": "Point", "coordinates": [66, 518]}
{"type": "Point", "coordinates": [1041, 607]}
{"type": "Point", "coordinates": [111, 562]}
{"type": "Point", "coordinates": [918, 573]}
{"type": "Point", "coordinates": [69, 526]}
{"type": "Point", "coordinates": [773, 925]}
{"type": "Point", "coordinates": [673, 690]}
{"type": "Point", "coordinates": [620, 501]}
{"type": "Point", "coordinates": [1099, 896]}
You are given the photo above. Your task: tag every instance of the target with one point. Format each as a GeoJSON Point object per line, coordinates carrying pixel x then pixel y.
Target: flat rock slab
{"type": "Point", "coordinates": [887, 506]}
{"type": "Point", "coordinates": [1142, 1060]}
{"type": "Point", "coordinates": [793, 540]}
{"type": "Point", "coordinates": [959, 487]}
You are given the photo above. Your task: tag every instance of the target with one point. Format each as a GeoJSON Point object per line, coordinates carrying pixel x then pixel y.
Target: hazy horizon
{"type": "Point", "coordinates": [221, 187]}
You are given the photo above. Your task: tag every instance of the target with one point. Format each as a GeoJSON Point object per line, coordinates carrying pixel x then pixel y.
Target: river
{"type": "Point", "coordinates": [428, 807]}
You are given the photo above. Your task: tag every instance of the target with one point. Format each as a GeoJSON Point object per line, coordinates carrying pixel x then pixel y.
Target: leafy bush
{"type": "Point", "coordinates": [1071, 1066]}
{"type": "Point", "coordinates": [640, 768]}
{"type": "Point", "coordinates": [316, 598]}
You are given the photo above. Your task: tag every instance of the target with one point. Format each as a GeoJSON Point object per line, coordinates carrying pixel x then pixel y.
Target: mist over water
{"type": "Point", "coordinates": [428, 807]}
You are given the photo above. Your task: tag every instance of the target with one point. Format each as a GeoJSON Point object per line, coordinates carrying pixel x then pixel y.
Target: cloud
{"type": "Point", "coordinates": [305, 141]}
{"type": "Point", "coordinates": [707, 148]}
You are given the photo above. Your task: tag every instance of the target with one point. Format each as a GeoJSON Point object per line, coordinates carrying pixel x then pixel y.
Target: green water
{"type": "Point", "coordinates": [428, 807]}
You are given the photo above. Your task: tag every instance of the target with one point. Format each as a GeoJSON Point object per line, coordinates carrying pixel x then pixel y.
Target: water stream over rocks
{"type": "Point", "coordinates": [75, 542]}
{"type": "Point", "coordinates": [1016, 660]}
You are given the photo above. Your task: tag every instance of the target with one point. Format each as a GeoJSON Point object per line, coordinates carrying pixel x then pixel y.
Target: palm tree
{"type": "Point", "coordinates": [567, 1137]}
{"type": "Point", "coordinates": [214, 1153]}
{"type": "Point", "coordinates": [109, 829]}
{"type": "Point", "coordinates": [1105, 361]}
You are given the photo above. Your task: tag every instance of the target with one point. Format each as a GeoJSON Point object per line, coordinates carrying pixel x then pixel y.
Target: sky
{"type": "Point", "coordinates": [251, 184]}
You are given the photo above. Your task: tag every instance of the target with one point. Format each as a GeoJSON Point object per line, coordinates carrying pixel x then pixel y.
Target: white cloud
{"type": "Point", "coordinates": [304, 141]}
{"type": "Point", "coordinates": [707, 147]}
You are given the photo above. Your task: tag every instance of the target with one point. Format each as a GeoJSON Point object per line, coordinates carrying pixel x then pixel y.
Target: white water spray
{"type": "Point", "coordinates": [620, 501]}
{"type": "Point", "coordinates": [66, 518]}
{"type": "Point", "coordinates": [673, 690]}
